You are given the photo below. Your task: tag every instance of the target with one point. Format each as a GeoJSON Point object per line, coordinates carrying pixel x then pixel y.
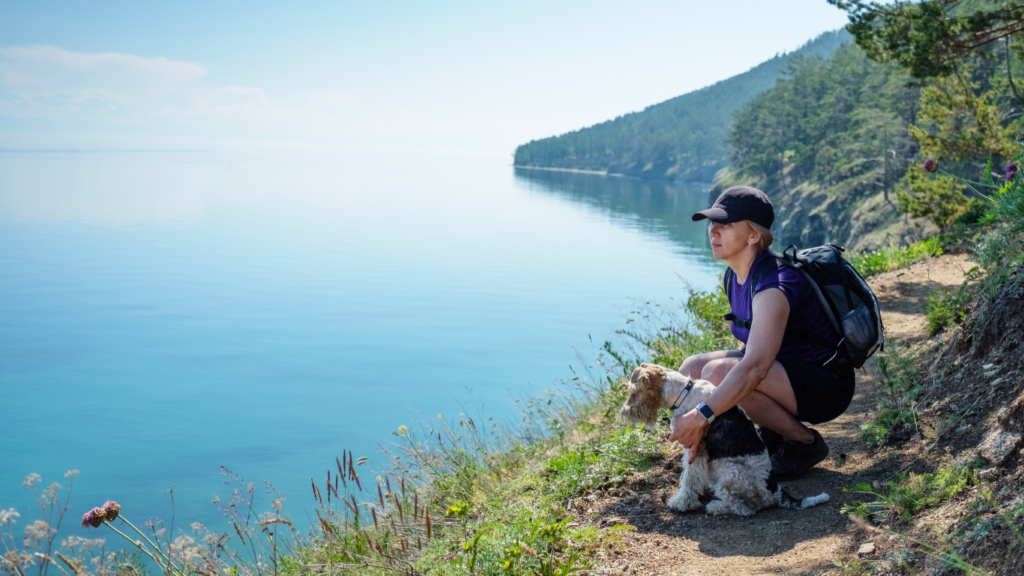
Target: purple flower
{"type": "Point", "coordinates": [931, 165]}
{"type": "Point", "coordinates": [1010, 171]}
{"type": "Point", "coordinates": [111, 510]}
{"type": "Point", "coordinates": [94, 518]}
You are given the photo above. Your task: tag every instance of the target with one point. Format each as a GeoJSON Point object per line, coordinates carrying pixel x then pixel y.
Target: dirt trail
{"type": "Point", "coordinates": [773, 541]}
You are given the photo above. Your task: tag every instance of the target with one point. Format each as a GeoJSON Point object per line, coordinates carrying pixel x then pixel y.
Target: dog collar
{"type": "Point", "coordinates": [682, 395]}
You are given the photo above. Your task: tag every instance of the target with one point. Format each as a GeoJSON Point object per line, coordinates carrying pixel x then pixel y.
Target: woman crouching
{"type": "Point", "coordinates": [787, 371]}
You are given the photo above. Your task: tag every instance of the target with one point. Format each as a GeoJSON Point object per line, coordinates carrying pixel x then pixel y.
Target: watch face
{"type": "Point", "coordinates": [706, 411]}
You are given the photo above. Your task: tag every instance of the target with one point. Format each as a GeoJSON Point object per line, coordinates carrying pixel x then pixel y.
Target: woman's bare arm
{"type": "Point", "coordinates": [771, 312]}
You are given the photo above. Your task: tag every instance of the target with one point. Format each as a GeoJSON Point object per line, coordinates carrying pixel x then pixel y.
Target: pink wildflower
{"type": "Point", "coordinates": [111, 509]}
{"type": "Point", "coordinates": [94, 518]}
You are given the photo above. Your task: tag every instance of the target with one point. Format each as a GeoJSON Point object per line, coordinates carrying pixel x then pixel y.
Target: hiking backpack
{"type": "Point", "coordinates": [846, 299]}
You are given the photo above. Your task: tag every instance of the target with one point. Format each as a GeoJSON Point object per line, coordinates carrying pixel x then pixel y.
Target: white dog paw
{"type": "Point", "coordinates": [683, 502]}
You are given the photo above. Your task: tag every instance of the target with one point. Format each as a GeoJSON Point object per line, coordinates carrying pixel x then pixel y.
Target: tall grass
{"type": "Point", "coordinates": [894, 257]}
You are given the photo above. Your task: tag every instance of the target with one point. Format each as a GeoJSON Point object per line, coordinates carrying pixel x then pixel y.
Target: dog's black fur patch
{"type": "Point", "coordinates": [732, 434]}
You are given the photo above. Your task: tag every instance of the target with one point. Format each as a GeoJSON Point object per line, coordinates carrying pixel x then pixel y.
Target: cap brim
{"type": "Point", "coordinates": [715, 214]}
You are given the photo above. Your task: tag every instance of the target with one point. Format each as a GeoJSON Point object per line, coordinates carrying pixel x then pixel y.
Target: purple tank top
{"type": "Point", "coordinates": [809, 336]}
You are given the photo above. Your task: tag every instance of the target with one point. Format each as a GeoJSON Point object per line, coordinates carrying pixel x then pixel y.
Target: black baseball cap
{"type": "Point", "coordinates": [740, 203]}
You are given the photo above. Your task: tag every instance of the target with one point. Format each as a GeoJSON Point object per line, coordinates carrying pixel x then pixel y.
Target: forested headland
{"type": "Point", "coordinates": [685, 138]}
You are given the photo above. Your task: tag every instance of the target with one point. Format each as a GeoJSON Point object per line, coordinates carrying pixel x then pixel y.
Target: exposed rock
{"type": "Point", "coordinates": [866, 548]}
{"type": "Point", "coordinates": [998, 445]}
{"type": "Point", "coordinates": [1012, 418]}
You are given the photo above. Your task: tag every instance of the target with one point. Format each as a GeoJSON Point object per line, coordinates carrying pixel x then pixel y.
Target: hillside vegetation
{"type": "Point", "coordinates": [684, 138]}
{"type": "Point", "coordinates": [828, 143]}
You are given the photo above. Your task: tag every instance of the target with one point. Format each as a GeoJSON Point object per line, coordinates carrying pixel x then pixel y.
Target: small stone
{"type": "Point", "coordinates": [866, 548]}
{"type": "Point", "coordinates": [988, 366]}
{"type": "Point", "coordinates": [998, 445]}
{"type": "Point", "coordinates": [987, 473]}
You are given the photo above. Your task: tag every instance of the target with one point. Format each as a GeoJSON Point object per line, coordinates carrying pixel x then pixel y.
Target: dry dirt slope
{"type": "Point", "coordinates": [774, 541]}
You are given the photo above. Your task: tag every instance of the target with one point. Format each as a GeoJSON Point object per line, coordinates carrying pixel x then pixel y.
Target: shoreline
{"type": "Point", "coordinates": [613, 175]}
{"type": "Point", "coordinates": [576, 170]}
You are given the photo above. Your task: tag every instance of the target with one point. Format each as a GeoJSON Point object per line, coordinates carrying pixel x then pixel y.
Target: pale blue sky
{"type": "Point", "coordinates": [441, 75]}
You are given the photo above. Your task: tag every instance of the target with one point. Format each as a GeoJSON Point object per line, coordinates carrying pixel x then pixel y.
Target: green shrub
{"type": "Point", "coordinates": [975, 213]}
{"type": "Point", "coordinates": [876, 433]}
{"type": "Point", "coordinates": [939, 199]}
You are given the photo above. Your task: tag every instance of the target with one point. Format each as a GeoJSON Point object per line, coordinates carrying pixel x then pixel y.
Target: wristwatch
{"type": "Point", "coordinates": [706, 412]}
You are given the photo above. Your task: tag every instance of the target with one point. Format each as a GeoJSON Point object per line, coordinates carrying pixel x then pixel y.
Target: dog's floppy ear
{"type": "Point", "coordinates": [635, 377]}
{"type": "Point", "coordinates": [645, 393]}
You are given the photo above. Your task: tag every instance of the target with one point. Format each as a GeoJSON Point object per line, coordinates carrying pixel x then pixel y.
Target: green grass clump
{"type": "Point", "coordinates": [581, 467]}
{"type": "Point", "coordinates": [897, 409]}
{"type": "Point", "coordinates": [946, 308]}
{"type": "Point", "coordinates": [895, 257]}
{"type": "Point", "coordinates": [912, 493]}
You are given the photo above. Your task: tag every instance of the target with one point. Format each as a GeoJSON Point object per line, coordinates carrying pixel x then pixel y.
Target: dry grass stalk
{"type": "Point", "coordinates": [341, 472]}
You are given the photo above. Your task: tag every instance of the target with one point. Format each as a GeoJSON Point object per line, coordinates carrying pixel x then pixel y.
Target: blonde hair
{"type": "Point", "coordinates": [766, 236]}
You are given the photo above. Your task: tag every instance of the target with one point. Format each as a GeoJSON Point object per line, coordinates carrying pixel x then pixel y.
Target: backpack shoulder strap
{"type": "Point", "coordinates": [766, 265]}
{"type": "Point", "coordinates": [727, 286]}
{"type": "Point", "coordinates": [727, 283]}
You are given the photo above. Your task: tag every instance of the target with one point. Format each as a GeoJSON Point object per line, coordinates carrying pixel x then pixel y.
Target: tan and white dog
{"type": "Point", "coordinates": [732, 462]}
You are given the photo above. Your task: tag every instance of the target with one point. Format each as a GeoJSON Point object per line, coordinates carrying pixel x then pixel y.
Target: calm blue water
{"type": "Point", "coordinates": [165, 314]}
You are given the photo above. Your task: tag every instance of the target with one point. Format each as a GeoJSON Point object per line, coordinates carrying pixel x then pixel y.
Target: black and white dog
{"type": "Point", "coordinates": [732, 462]}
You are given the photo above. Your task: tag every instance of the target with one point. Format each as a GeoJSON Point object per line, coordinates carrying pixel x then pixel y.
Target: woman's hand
{"type": "Point", "coordinates": [688, 429]}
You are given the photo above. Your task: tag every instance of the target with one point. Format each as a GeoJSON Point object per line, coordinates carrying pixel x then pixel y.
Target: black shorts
{"type": "Point", "coordinates": [821, 394]}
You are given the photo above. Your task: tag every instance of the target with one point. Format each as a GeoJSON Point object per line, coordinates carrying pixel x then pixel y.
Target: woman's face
{"type": "Point", "coordinates": [727, 240]}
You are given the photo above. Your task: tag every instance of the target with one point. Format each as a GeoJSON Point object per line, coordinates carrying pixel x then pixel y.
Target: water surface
{"type": "Point", "coordinates": [166, 314]}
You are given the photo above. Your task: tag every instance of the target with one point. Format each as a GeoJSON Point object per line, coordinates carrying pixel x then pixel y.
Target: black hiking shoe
{"type": "Point", "coordinates": [772, 440]}
{"type": "Point", "coordinates": [793, 460]}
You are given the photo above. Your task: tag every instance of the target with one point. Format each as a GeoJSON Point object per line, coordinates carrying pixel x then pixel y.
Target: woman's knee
{"type": "Point", "coordinates": [693, 365]}
{"type": "Point", "coordinates": [715, 370]}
